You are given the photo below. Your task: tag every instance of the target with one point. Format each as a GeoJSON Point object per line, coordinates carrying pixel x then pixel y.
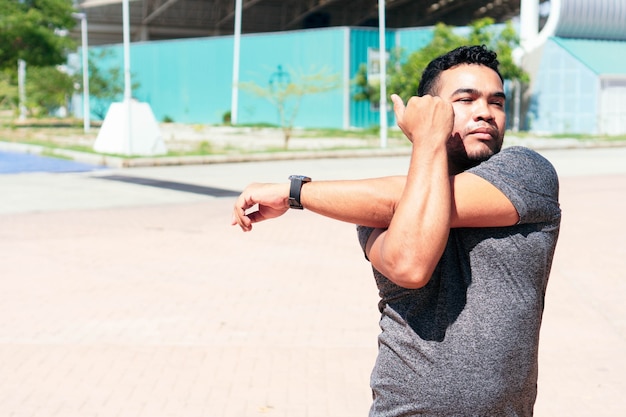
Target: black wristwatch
{"type": "Point", "coordinates": [294, 192]}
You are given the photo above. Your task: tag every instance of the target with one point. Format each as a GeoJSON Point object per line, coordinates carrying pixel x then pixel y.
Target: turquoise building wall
{"type": "Point", "coordinates": [361, 40]}
{"type": "Point", "coordinates": [190, 80]}
{"type": "Point", "coordinates": [187, 81]}
{"type": "Point", "coordinates": [300, 52]}
{"type": "Point", "coordinates": [413, 39]}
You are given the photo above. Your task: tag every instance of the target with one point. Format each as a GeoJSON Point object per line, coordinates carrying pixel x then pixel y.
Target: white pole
{"type": "Point", "coordinates": [383, 73]}
{"type": "Point", "coordinates": [127, 86]}
{"type": "Point", "coordinates": [517, 85]}
{"type": "Point", "coordinates": [529, 21]}
{"type": "Point", "coordinates": [21, 86]}
{"type": "Point", "coordinates": [86, 107]}
{"type": "Point", "coordinates": [85, 59]}
{"type": "Point", "coordinates": [236, 51]}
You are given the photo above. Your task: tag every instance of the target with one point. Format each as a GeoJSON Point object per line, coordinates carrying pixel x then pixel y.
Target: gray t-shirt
{"type": "Point", "coordinates": [466, 343]}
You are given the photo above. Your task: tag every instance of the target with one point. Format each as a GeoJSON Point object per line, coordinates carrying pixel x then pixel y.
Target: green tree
{"type": "Point", "coordinates": [8, 89]}
{"type": "Point", "coordinates": [286, 93]}
{"type": "Point", "coordinates": [47, 89]}
{"type": "Point", "coordinates": [35, 31]}
{"type": "Point", "coordinates": [404, 73]}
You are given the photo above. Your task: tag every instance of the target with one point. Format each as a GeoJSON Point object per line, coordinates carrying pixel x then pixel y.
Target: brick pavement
{"type": "Point", "coordinates": [163, 309]}
{"type": "Point", "coordinates": [169, 311]}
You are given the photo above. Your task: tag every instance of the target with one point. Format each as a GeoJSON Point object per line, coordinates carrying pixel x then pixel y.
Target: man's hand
{"type": "Point", "coordinates": [272, 200]}
{"type": "Point", "coordinates": [424, 118]}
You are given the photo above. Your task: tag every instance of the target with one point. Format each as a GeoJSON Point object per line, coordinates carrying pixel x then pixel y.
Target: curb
{"type": "Point", "coordinates": [149, 161]}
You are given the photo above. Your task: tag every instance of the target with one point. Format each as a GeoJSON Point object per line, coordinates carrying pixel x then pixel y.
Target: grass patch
{"type": "Point", "coordinates": [50, 153]}
{"type": "Point", "coordinates": [68, 134]}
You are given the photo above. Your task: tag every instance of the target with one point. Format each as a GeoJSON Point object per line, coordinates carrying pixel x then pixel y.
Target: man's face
{"type": "Point", "coordinates": [477, 97]}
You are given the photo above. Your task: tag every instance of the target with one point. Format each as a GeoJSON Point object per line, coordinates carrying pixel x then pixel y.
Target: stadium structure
{"type": "Point", "coordinates": [176, 19]}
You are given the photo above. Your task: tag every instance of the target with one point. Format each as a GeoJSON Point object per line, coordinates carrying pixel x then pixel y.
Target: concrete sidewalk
{"type": "Point", "coordinates": [128, 300]}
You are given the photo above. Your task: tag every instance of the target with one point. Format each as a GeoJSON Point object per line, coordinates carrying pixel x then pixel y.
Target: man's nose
{"type": "Point", "coordinates": [482, 110]}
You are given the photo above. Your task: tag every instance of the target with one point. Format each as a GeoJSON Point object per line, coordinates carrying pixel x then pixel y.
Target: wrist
{"type": "Point", "coordinates": [295, 190]}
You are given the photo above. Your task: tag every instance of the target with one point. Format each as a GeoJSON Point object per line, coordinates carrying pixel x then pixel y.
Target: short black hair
{"type": "Point", "coordinates": [476, 54]}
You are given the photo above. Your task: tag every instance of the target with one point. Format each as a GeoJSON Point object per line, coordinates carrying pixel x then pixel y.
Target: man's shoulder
{"type": "Point", "coordinates": [521, 154]}
{"type": "Point", "coordinates": [527, 179]}
{"type": "Point", "coordinates": [518, 161]}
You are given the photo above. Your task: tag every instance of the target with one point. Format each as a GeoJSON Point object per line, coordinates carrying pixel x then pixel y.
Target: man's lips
{"type": "Point", "coordinates": [484, 133]}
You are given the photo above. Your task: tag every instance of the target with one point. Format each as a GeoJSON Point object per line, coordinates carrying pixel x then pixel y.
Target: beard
{"type": "Point", "coordinates": [461, 158]}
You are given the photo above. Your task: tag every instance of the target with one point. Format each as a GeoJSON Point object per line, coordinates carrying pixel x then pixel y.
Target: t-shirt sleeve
{"type": "Point", "coordinates": [528, 180]}
{"type": "Point", "coordinates": [364, 233]}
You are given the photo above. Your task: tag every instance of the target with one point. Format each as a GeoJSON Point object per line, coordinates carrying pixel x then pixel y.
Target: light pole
{"type": "Point", "coordinates": [383, 73]}
{"type": "Point", "coordinates": [21, 86]}
{"type": "Point", "coordinates": [85, 58]}
{"type": "Point", "coordinates": [127, 86]}
{"type": "Point", "coordinates": [236, 55]}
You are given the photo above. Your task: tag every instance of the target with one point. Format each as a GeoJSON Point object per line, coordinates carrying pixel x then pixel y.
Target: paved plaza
{"type": "Point", "coordinates": [126, 293]}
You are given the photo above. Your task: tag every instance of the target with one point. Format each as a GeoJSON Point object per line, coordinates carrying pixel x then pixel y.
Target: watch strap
{"type": "Point", "coordinates": [297, 181]}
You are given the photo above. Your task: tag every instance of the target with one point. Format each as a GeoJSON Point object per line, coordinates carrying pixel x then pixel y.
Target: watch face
{"type": "Point", "coordinates": [299, 177]}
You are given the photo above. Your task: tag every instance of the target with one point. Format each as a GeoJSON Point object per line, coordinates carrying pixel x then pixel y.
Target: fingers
{"type": "Point", "coordinates": [398, 106]}
{"type": "Point", "coordinates": [259, 202]}
{"type": "Point", "coordinates": [239, 216]}
{"type": "Point", "coordinates": [400, 109]}
{"type": "Point", "coordinates": [240, 219]}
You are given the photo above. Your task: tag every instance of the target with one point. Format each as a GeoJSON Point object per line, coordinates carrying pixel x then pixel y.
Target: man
{"type": "Point", "coordinates": [461, 248]}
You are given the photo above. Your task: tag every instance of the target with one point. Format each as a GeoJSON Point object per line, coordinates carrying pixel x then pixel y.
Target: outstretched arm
{"type": "Point", "coordinates": [369, 202]}
{"type": "Point", "coordinates": [372, 202]}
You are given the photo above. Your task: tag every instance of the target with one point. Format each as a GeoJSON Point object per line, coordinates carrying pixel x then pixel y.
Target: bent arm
{"type": "Point", "coordinates": [432, 202]}
{"type": "Point", "coordinates": [474, 202]}
{"type": "Point", "coordinates": [408, 252]}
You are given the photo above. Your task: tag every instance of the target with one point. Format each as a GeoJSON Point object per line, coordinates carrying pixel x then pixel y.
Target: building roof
{"type": "Point", "coordinates": [172, 19]}
{"type": "Point", "coordinates": [592, 19]}
{"type": "Point", "coordinates": [601, 56]}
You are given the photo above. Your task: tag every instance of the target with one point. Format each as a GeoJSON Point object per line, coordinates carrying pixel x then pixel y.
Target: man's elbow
{"type": "Point", "coordinates": [409, 275]}
{"type": "Point", "coordinates": [411, 282]}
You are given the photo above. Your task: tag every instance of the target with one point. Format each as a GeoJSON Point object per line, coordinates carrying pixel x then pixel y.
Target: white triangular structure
{"type": "Point", "coordinates": [138, 121]}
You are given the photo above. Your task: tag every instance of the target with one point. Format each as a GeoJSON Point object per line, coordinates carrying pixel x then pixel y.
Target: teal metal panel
{"type": "Point", "coordinates": [361, 113]}
{"type": "Point", "coordinates": [190, 81]}
{"type": "Point", "coordinates": [301, 52]}
{"type": "Point", "coordinates": [187, 81]}
{"type": "Point", "coordinates": [411, 40]}
{"type": "Point", "coordinates": [566, 94]}
{"type": "Point", "coordinates": [601, 57]}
